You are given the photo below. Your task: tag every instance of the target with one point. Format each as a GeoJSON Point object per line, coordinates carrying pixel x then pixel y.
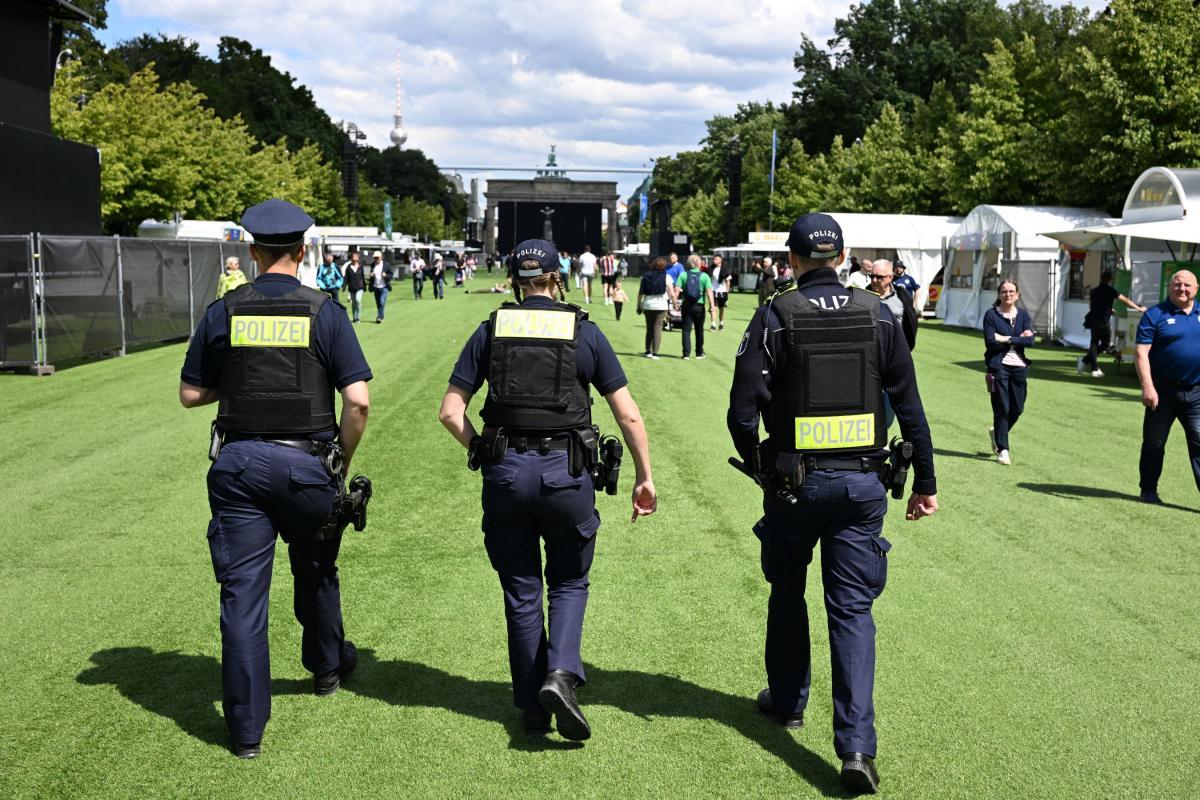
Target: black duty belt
{"type": "Point", "coordinates": [853, 463]}
{"type": "Point", "coordinates": [307, 445]}
{"type": "Point", "coordinates": [542, 443]}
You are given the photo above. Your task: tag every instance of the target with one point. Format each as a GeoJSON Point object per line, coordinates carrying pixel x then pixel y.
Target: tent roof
{"type": "Point", "coordinates": [984, 227]}
{"type": "Point", "coordinates": [871, 232]}
{"type": "Point", "coordinates": [1098, 237]}
{"type": "Point", "coordinates": [1163, 193]}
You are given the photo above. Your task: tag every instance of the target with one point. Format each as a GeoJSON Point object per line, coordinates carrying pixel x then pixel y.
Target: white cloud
{"type": "Point", "coordinates": [611, 82]}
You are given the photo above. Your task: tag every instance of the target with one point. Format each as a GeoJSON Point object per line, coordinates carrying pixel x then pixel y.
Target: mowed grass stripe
{"type": "Point", "coordinates": [1037, 638]}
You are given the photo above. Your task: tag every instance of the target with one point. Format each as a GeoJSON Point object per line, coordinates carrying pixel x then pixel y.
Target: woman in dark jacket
{"type": "Point", "coordinates": [1007, 331]}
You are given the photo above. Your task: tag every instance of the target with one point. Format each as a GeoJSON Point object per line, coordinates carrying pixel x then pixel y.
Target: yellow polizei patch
{"type": "Point", "coordinates": [267, 331]}
{"type": "Point", "coordinates": [534, 323]}
{"type": "Point", "coordinates": [825, 433]}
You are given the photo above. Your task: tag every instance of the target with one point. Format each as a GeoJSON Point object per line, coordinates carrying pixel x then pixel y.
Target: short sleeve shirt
{"type": "Point", "coordinates": [1101, 301]}
{"type": "Point", "coordinates": [595, 362]}
{"type": "Point", "coordinates": [337, 346]}
{"type": "Point", "coordinates": [1174, 339]}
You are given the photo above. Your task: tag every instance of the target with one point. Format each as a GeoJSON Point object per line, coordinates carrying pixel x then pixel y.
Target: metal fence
{"type": "Point", "coordinates": [64, 298]}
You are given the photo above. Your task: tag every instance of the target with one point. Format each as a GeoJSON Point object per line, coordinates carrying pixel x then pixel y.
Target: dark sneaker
{"type": "Point", "coordinates": [327, 683]}
{"type": "Point", "coordinates": [767, 707]}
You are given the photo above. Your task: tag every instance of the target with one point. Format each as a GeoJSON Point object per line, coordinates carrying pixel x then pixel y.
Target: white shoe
{"type": "Point", "coordinates": [648, 355]}
{"type": "Point", "coordinates": [992, 438]}
{"type": "Point", "coordinates": [1097, 373]}
{"type": "Point", "coordinates": [1003, 458]}
{"type": "Point", "coordinates": [1079, 365]}
{"type": "Point", "coordinates": [722, 326]}
{"type": "Point", "coordinates": [712, 326]}
{"type": "Point", "coordinates": [703, 356]}
{"type": "Point", "coordinates": [686, 358]}
{"type": "Point", "coordinates": [654, 356]}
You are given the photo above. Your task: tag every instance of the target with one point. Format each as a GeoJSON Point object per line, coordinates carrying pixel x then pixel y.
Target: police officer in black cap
{"type": "Point", "coordinates": [271, 354]}
{"type": "Point", "coordinates": [814, 364]}
{"type": "Point", "coordinates": [536, 452]}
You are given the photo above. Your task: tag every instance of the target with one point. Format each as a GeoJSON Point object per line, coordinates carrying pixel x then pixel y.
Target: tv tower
{"type": "Point", "coordinates": [398, 135]}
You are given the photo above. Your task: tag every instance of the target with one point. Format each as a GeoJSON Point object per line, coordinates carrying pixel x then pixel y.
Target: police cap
{"type": "Point", "coordinates": [277, 223]}
{"type": "Point", "coordinates": [815, 236]}
{"type": "Point", "coordinates": [539, 250]}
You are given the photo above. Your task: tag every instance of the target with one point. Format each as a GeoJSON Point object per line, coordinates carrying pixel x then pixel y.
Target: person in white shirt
{"type": "Point", "coordinates": [416, 268]}
{"type": "Point", "coordinates": [722, 279]}
{"type": "Point", "coordinates": [587, 271]}
{"type": "Point", "coordinates": [862, 278]}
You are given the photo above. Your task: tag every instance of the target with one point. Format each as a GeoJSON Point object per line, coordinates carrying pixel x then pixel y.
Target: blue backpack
{"type": "Point", "coordinates": [691, 287]}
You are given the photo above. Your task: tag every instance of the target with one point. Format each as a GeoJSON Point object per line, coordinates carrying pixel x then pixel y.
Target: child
{"type": "Point", "coordinates": [619, 298]}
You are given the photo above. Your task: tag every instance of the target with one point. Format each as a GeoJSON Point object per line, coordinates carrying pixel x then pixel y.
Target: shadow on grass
{"type": "Point", "coordinates": [180, 687]}
{"type": "Point", "coordinates": [1075, 492]}
{"type": "Point", "coordinates": [977, 456]}
{"type": "Point", "coordinates": [1064, 372]}
{"type": "Point", "coordinates": [406, 683]}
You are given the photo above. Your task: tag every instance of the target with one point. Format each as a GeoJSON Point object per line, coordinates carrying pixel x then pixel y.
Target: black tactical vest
{"type": "Point", "coordinates": [272, 382]}
{"type": "Point", "coordinates": [533, 383]}
{"type": "Point", "coordinates": [827, 396]}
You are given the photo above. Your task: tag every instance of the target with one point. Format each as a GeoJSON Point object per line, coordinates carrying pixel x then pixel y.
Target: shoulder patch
{"type": "Point", "coordinates": [742, 347]}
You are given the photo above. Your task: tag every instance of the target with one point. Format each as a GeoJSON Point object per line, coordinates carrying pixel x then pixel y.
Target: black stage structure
{"type": "Point", "coordinates": [519, 210]}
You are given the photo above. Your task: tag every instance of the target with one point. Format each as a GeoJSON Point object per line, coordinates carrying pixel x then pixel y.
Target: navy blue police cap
{"type": "Point", "coordinates": [815, 236]}
{"type": "Point", "coordinates": [277, 223]}
{"type": "Point", "coordinates": [539, 250]}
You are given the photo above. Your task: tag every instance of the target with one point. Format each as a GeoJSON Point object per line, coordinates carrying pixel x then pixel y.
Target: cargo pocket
{"type": "Point", "coordinates": [871, 497]}
{"type": "Point", "coordinates": [879, 547]}
{"type": "Point", "coordinates": [587, 529]}
{"type": "Point", "coordinates": [313, 490]}
{"type": "Point", "coordinates": [560, 479]}
{"type": "Point", "coordinates": [218, 549]}
{"type": "Point", "coordinates": [227, 467]}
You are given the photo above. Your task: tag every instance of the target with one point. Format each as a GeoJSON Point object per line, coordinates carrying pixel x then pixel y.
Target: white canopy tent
{"type": "Point", "coordinates": [1160, 222]}
{"type": "Point", "coordinates": [996, 240]}
{"type": "Point", "coordinates": [915, 239]}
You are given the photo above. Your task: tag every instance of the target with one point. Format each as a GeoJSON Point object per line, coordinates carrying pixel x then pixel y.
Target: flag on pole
{"type": "Point", "coordinates": [643, 210]}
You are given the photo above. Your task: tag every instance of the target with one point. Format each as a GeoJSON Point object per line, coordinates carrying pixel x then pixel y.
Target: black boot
{"type": "Point", "coordinates": [859, 774]}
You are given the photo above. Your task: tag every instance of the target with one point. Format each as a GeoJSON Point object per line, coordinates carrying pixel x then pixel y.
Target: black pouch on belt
{"type": "Point", "coordinates": [487, 448]}
{"type": "Point", "coordinates": [789, 471]}
{"type": "Point", "coordinates": [584, 452]}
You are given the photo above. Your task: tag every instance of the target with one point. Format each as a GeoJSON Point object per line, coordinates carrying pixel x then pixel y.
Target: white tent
{"type": "Point", "coordinates": [1160, 222]}
{"type": "Point", "coordinates": [995, 240]}
{"type": "Point", "coordinates": [915, 239]}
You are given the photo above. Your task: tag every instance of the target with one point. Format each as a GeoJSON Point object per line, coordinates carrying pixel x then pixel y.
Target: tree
{"type": "Point", "coordinates": [418, 218]}
{"type": "Point", "coordinates": [703, 216]}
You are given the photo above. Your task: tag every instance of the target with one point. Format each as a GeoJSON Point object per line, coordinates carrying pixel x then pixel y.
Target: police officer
{"type": "Point", "coordinates": [270, 354]}
{"type": "Point", "coordinates": [814, 363]}
{"type": "Point", "coordinates": [539, 359]}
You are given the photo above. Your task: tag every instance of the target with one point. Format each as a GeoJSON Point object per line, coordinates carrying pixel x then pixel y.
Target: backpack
{"type": "Point", "coordinates": [691, 287]}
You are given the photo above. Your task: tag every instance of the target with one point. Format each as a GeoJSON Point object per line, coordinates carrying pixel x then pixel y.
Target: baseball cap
{"type": "Point", "coordinates": [539, 250]}
{"type": "Point", "coordinates": [277, 223]}
{"type": "Point", "coordinates": [815, 236]}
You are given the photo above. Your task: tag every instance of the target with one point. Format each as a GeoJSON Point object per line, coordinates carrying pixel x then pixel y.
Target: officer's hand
{"type": "Point", "coordinates": [1150, 398]}
{"type": "Point", "coordinates": [645, 500]}
{"type": "Point", "coordinates": [921, 505]}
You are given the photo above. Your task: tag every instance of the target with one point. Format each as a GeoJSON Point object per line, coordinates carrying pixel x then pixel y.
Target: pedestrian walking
{"type": "Point", "coordinates": [1007, 331]}
{"type": "Point", "coordinates": [619, 298]}
{"type": "Point", "coordinates": [355, 281]}
{"type": "Point", "coordinates": [271, 354]}
{"type": "Point", "coordinates": [438, 275]}
{"type": "Point", "coordinates": [329, 277]}
{"type": "Point", "coordinates": [822, 468]}
{"type": "Point", "coordinates": [690, 291]}
{"type": "Point", "coordinates": [722, 280]}
{"type": "Point", "coordinates": [1099, 322]}
{"type": "Point", "coordinates": [1167, 353]}
{"type": "Point", "coordinates": [587, 272]}
{"type": "Point", "coordinates": [416, 268]}
{"type": "Point", "coordinates": [381, 284]}
{"type": "Point", "coordinates": [608, 276]}
{"type": "Point", "coordinates": [538, 453]}
{"type": "Point", "coordinates": [652, 302]}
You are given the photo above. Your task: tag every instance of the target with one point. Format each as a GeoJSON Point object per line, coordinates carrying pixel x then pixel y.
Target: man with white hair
{"type": "Point", "coordinates": [232, 278]}
{"type": "Point", "coordinates": [1167, 357]}
{"type": "Point", "coordinates": [766, 279]}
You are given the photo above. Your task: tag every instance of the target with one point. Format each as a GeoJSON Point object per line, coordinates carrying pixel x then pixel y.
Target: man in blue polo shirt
{"type": "Point", "coordinates": [1168, 365]}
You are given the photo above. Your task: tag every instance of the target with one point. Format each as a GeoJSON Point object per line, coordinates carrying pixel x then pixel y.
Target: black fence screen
{"type": "Point", "coordinates": [80, 290]}
{"type": "Point", "coordinates": [17, 329]}
{"type": "Point", "coordinates": [157, 286]}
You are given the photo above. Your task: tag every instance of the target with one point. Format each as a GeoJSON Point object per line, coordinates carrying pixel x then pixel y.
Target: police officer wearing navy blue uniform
{"type": "Point", "coordinates": [814, 364]}
{"type": "Point", "coordinates": [270, 354]}
{"type": "Point", "coordinates": [539, 359]}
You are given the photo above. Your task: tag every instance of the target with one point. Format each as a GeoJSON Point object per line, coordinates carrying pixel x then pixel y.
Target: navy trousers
{"type": "Point", "coordinates": [843, 512]}
{"type": "Point", "coordinates": [1009, 388]}
{"type": "Point", "coordinates": [1173, 404]}
{"type": "Point", "coordinates": [529, 498]}
{"type": "Point", "coordinates": [256, 489]}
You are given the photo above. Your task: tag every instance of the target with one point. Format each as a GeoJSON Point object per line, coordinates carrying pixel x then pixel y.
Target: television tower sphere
{"type": "Point", "coordinates": [398, 135]}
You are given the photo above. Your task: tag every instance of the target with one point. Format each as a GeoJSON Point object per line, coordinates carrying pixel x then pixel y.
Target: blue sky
{"type": "Point", "coordinates": [609, 82]}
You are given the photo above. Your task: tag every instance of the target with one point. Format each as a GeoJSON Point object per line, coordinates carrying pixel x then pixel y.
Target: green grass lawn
{"type": "Point", "coordinates": [1037, 638]}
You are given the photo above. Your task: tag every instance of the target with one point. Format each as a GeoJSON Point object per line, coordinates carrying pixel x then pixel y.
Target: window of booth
{"type": "Point", "coordinates": [1075, 275]}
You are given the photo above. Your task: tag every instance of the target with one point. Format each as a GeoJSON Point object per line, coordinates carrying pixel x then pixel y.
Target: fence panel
{"type": "Point", "coordinates": [80, 293]}
{"type": "Point", "coordinates": [16, 302]}
{"type": "Point", "coordinates": [157, 290]}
